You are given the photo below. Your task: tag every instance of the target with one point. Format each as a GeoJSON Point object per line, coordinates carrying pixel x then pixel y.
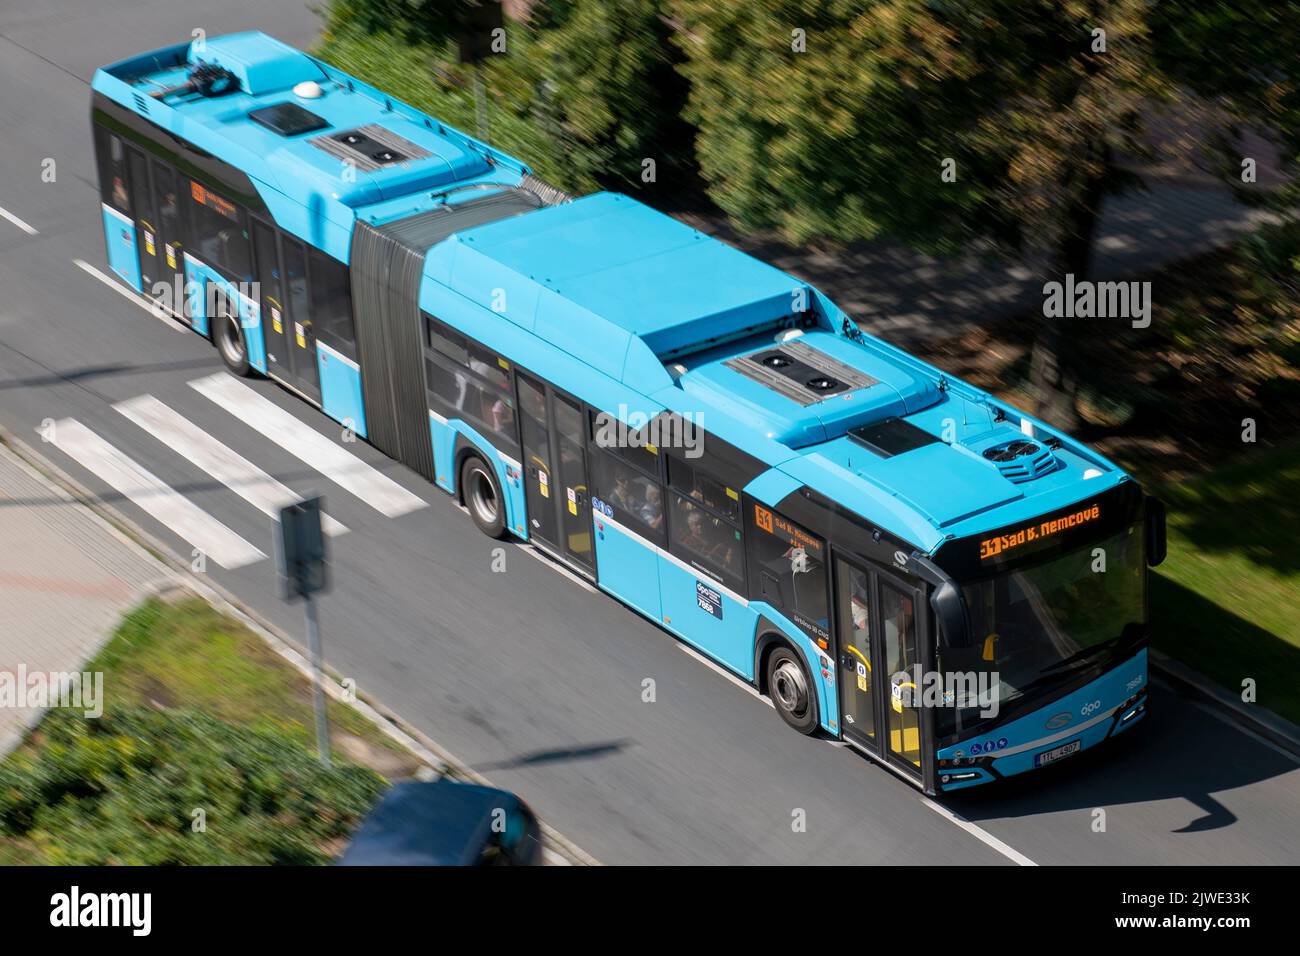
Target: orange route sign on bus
{"type": "Point", "coordinates": [992, 547]}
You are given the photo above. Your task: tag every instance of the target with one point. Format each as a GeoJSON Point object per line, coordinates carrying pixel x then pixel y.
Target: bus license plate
{"type": "Point", "coordinates": [1056, 753]}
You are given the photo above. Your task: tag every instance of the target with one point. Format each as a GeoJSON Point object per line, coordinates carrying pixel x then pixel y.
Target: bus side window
{"type": "Point", "coordinates": [635, 498]}
{"type": "Point", "coordinates": [789, 567]}
{"type": "Point", "coordinates": [112, 170]}
{"type": "Point", "coordinates": [703, 520]}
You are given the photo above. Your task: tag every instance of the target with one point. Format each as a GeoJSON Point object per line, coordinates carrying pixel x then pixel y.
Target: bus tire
{"type": "Point", "coordinates": [229, 338]}
{"type": "Point", "coordinates": [791, 690]}
{"type": "Point", "coordinates": [482, 496]}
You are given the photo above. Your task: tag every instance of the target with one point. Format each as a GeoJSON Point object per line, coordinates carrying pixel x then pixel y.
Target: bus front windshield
{"type": "Point", "coordinates": [1037, 628]}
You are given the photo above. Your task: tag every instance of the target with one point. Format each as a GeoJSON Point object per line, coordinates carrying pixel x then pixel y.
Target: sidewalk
{"type": "Point", "coordinates": [66, 578]}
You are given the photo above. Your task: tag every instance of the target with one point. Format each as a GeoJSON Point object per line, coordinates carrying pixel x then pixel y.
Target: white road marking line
{"type": "Point", "coordinates": [227, 466]}
{"type": "Point", "coordinates": [314, 449]}
{"type": "Point", "coordinates": [6, 214]}
{"type": "Point", "coordinates": [122, 290]}
{"type": "Point", "coordinates": [717, 668]}
{"type": "Point", "coordinates": [154, 496]}
{"type": "Point", "coordinates": [1012, 854]}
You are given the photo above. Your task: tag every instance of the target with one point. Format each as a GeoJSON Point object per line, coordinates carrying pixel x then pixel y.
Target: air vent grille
{"type": "Point", "coordinates": [369, 148]}
{"type": "Point", "coordinates": [1021, 460]}
{"type": "Point", "coordinates": [800, 372]}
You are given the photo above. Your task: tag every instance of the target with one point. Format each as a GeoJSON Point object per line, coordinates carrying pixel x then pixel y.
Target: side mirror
{"type": "Point", "coordinates": [1157, 545]}
{"type": "Point", "coordinates": [950, 611]}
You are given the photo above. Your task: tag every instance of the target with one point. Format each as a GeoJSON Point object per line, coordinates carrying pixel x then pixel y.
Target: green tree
{"type": "Point", "coordinates": [990, 124]}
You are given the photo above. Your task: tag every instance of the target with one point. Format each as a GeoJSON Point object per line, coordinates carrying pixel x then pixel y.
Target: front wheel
{"type": "Point", "coordinates": [791, 690]}
{"type": "Point", "coordinates": [230, 343]}
{"type": "Point", "coordinates": [478, 486]}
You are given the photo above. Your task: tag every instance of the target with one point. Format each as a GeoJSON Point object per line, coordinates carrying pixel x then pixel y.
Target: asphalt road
{"type": "Point", "coordinates": [526, 675]}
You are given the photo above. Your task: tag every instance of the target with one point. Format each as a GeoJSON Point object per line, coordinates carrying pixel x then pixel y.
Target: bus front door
{"type": "Point", "coordinates": [878, 644]}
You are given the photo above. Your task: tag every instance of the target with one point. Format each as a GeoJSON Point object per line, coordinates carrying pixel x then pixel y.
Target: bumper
{"type": "Point", "coordinates": [1069, 725]}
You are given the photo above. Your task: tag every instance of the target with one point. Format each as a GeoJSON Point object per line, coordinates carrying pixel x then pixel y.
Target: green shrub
{"type": "Point", "coordinates": [123, 790]}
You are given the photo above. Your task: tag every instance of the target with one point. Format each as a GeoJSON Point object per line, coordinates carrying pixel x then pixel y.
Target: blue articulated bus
{"type": "Point", "coordinates": [894, 557]}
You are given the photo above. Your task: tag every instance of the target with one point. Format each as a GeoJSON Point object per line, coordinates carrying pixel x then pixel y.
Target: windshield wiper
{"type": "Point", "coordinates": [1080, 656]}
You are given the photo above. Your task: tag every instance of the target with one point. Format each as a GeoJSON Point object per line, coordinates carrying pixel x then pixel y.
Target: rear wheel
{"type": "Point", "coordinates": [482, 495]}
{"type": "Point", "coordinates": [230, 343]}
{"type": "Point", "coordinates": [791, 690]}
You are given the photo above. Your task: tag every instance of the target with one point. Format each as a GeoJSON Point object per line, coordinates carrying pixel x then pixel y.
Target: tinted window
{"type": "Point", "coordinates": [113, 177]}
{"type": "Point", "coordinates": [295, 278]}
{"type": "Point", "coordinates": [608, 433]}
{"type": "Point", "coordinates": [706, 541]}
{"type": "Point", "coordinates": [331, 302]}
{"type": "Point", "coordinates": [220, 238]}
{"type": "Point", "coordinates": [484, 401]}
{"type": "Point", "coordinates": [789, 569]}
{"type": "Point", "coordinates": [694, 482]}
{"type": "Point", "coordinates": [630, 497]}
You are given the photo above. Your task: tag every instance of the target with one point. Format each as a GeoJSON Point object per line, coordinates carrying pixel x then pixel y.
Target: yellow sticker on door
{"type": "Point", "coordinates": [573, 501]}
{"type": "Point", "coordinates": [300, 335]}
{"type": "Point", "coordinates": [171, 256]}
{"type": "Point", "coordinates": [543, 483]}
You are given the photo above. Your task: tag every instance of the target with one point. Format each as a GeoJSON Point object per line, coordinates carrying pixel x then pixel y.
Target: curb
{"type": "Point", "coordinates": [559, 850]}
{"type": "Point", "coordinates": [1264, 723]}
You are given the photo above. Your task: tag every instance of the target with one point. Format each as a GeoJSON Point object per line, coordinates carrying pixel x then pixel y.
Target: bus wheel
{"type": "Point", "coordinates": [791, 690]}
{"type": "Point", "coordinates": [230, 343]}
{"type": "Point", "coordinates": [478, 486]}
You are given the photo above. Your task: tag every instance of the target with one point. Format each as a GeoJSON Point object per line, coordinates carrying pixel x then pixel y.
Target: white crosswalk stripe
{"type": "Point", "coordinates": [312, 448]}
{"type": "Point", "coordinates": [153, 496]}
{"type": "Point", "coordinates": [227, 466]}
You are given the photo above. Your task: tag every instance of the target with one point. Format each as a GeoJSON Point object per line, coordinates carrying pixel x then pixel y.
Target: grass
{"type": "Point", "coordinates": [1227, 600]}
{"type": "Point", "coordinates": [198, 711]}
{"type": "Point", "coordinates": [190, 655]}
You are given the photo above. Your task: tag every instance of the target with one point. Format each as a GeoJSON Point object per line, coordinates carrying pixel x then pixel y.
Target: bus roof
{"type": "Point", "coordinates": [653, 315]}
{"type": "Point", "coordinates": [317, 143]}
{"type": "Point", "coordinates": [678, 318]}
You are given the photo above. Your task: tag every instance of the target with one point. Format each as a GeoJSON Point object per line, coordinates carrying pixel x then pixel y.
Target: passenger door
{"type": "Point", "coordinates": [539, 476]}
{"type": "Point", "coordinates": [146, 220]}
{"type": "Point", "coordinates": [171, 253]}
{"type": "Point", "coordinates": [879, 618]}
{"type": "Point", "coordinates": [555, 472]}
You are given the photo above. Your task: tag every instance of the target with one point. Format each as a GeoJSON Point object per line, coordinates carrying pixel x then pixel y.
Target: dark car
{"type": "Point", "coordinates": [444, 823]}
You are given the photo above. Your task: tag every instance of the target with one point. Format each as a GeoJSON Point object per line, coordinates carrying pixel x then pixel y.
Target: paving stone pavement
{"type": "Point", "coordinates": [66, 578]}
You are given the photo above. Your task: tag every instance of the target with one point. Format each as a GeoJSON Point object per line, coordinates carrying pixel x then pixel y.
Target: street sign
{"type": "Point", "coordinates": [300, 552]}
{"type": "Point", "coordinates": [300, 549]}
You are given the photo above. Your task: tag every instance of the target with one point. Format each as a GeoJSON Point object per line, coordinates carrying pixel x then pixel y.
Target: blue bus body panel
{"type": "Point", "coordinates": [123, 255]}
{"type": "Point", "coordinates": [340, 388]}
{"type": "Point", "coordinates": [508, 471]}
{"type": "Point", "coordinates": [199, 275]}
{"type": "Point", "coordinates": [628, 567]}
{"type": "Point", "coordinates": [820, 667]}
{"type": "Point", "coordinates": [1089, 715]}
{"type": "Point", "coordinates": [708, 615]}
